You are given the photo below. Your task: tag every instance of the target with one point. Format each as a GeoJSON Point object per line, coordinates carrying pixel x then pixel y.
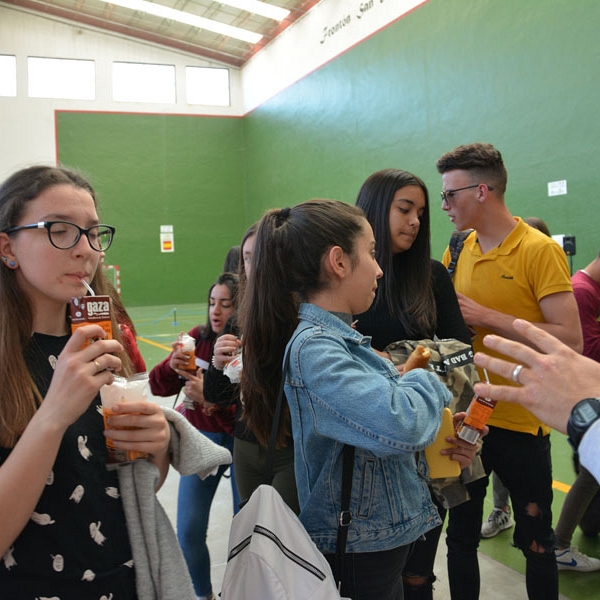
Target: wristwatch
{"type": "Point", "coordinates": [584, 414]}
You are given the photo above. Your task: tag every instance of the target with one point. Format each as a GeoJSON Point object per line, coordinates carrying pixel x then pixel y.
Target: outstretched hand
{"type": "Point", "coordinates": [551, 381]}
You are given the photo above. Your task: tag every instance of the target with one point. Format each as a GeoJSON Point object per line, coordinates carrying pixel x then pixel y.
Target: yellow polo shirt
{"type": "Point", "coordinates": [512, 278]}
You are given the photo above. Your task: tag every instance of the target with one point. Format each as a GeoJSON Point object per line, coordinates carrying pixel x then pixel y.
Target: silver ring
{"type": "Point", "coordinates": [98, 366]}
{"type": "Point", "coordinates": [516, 373]}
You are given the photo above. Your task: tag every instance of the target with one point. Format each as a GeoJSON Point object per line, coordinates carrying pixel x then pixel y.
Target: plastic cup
{"type": "Point", "coordinates": [188, 345]}
{"type": "Point", "coordinates": [122, 390]}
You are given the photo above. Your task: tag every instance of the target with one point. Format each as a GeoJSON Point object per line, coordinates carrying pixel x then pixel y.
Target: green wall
{"type": "Point", "coordinates": [521, 74]}
{"type": "Point", "coordinates": [153, 170]}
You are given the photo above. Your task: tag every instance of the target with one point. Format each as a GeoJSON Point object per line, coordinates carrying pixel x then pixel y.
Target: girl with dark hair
{"type": "Point", "coordinates": [63, 527]}
{"type": "Point", "coordinates": [313, 267]}
{"type": "Point", "coordinates": [415, 300]}
{"type": "Point", "coordinates": [249, 454]}
{"type": "Point", "coordinates": [231, 264]}
{"type": "Point", "coordinates": [195, 495]}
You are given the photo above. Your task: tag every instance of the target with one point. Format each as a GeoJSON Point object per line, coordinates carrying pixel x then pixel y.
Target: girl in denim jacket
{"type": "Point", "coordinates": [313, 267]}
{"type": "Point", "coordinates": [415, 301]}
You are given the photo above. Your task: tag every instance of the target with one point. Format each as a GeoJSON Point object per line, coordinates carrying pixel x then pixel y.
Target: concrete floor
{"type": "Point", "coordinates": [498, 582]}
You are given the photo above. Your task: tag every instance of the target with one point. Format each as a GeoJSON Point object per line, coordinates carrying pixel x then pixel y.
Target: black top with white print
{"type": "Point", "coordinates": [76, 544]}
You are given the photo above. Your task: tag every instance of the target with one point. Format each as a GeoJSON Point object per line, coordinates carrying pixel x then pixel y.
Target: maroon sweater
{"type": "Point", "coordinates": [166, 382]}
{"type": "Point", "coordinates": [587, 294]}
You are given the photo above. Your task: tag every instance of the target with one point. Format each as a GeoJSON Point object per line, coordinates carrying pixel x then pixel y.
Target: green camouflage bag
{"type": "Point", "coordinates": [451, 359]}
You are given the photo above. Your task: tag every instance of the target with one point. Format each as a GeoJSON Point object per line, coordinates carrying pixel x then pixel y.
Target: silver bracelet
{"type": "Point", "coordinates": [214, 364]}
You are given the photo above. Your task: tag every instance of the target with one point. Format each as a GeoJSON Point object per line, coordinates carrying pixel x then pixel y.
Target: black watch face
{"type": "Point", "coordinates": [585, 414]}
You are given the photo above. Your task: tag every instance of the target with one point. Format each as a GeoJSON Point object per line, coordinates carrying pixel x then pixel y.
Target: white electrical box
{"type": "Point", "coordinates": [557, 188]}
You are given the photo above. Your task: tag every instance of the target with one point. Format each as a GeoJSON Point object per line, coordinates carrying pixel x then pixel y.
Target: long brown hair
{"type": "Point", "coordinates": [19, 396]}
{"type": "Point", "coordinates": [286, 270]}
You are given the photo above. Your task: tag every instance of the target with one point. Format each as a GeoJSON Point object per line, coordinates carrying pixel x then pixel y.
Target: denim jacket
{"type": "Point", "coordinates": [341, 392]}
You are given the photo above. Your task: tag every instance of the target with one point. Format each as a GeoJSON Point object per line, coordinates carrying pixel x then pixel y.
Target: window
{"type": "Point", "coordinates": [8, 75]}
{"type": "Point", "coordinates": [61, 78]}
{"type": "Point", "coordinates": [135, 82]}
{"type": "Point", "coordinates": [207, 85]}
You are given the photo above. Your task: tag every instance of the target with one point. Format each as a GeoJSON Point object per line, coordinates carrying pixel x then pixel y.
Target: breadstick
{"type": "Point", "coordinates": [417, 359]}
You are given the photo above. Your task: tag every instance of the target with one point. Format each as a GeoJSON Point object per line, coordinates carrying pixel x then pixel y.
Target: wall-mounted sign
{"type": "Point", "coordinates": [167, 240]}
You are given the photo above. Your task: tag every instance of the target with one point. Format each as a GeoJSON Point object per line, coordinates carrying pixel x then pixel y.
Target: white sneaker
{"type": "Point", "coordinates": [498, 521]}
{"type": "Point", "coordinates": [571, 559]}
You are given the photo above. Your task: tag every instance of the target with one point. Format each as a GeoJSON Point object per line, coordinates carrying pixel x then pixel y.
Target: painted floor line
{"type": "Point", "coordinates": [147, 341]}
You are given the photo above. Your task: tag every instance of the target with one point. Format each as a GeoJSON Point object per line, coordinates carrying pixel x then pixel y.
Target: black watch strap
{"type": "Point", "coordinates": [584, 414]}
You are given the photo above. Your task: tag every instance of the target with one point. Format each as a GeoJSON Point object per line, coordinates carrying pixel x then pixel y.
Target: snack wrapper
{"type": "Point", "coordinates": [234, 368]}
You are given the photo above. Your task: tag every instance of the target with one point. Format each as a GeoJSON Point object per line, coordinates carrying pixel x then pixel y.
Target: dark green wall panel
{"type": "Point", "coordinates": [152, 170]}
{"type": "Point", "coordinates": [521, 75]}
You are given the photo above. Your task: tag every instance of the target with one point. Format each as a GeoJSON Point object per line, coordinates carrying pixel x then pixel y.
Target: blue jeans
{"type": "Point", "coordinates": [193, 509]}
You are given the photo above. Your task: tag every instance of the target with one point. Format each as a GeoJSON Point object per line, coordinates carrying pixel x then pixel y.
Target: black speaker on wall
{"type": "Point", "coordinates": [569, 245]}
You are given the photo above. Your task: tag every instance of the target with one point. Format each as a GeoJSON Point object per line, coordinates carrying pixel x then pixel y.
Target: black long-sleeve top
{"type": "Point", "coordinates": [219, 390]}
{"type": "Point", "coordinates": [385, 328]}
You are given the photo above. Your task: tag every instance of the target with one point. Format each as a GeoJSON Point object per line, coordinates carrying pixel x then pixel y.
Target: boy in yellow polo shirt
{"type": "Point", "coordinates": [505, 270]}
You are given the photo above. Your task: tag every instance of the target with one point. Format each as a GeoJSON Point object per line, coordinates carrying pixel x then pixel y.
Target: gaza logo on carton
{"type": "Point", "coordinates": [95, 309]}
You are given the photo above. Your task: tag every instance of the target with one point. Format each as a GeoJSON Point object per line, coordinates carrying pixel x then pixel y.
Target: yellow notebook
{"type": "Point", "coordinates": [441, 465]}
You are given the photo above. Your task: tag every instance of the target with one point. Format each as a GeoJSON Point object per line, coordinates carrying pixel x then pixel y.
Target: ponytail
{"type": "Point", "coordinates": [268, 316]}
{"type": "Point", "coordinates": [286, 270]}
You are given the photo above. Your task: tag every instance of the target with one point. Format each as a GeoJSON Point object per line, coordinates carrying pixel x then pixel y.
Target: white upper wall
{"type": "Point", "coordinates": [326, 31]}
{"type": "Point", "coordinates": [27, 124]}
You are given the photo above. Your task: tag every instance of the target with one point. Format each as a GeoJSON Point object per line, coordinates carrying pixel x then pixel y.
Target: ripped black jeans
{"type": "Point", "coordinates": [523, 463]}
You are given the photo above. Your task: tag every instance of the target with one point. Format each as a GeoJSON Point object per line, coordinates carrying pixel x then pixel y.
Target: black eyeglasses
{"type": "Point", "coordinates": [447, 195]}
{"type": "Point", "coordinates": [64, 235]}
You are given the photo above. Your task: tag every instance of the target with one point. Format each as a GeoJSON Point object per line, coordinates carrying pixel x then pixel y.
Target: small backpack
{"type": "Point", "coordinates": [270, 555]}
{"type": "Point", "coordinates": [452, 360]}
{"type": "Point", "coordinates": [455, 245]}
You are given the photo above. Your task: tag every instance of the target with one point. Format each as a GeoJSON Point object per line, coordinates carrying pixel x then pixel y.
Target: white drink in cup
{"type": "Point", "coordinates": [122, 390]}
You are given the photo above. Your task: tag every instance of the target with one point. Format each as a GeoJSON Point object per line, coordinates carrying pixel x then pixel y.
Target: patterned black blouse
{"type": "Point", "coordinates": [75, 545]}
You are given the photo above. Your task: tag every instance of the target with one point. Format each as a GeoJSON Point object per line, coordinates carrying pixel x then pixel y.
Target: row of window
{"type": "Point", "coordinates": [131, 82]}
